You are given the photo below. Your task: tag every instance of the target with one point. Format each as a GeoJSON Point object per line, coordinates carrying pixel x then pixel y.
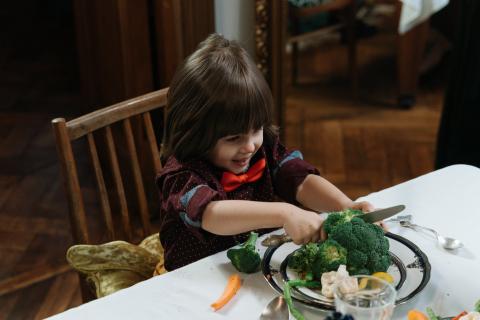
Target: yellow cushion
{"type": "Point", "coordinates": [115, 265]}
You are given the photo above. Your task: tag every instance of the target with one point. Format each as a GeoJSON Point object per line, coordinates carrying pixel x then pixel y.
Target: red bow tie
{"type": "Point", "coordinates": [232, 181]}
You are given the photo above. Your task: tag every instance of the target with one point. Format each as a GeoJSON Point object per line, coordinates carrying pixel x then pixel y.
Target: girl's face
{"type": "Point", "coordinates": [233, 153]}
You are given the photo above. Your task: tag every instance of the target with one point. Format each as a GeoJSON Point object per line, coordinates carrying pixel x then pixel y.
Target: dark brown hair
{"type": "Point", "coordinates": [217, 92]}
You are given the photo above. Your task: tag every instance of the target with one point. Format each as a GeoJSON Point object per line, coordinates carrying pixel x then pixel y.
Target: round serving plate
{"type": "Point", "coordinates": [410, 269]}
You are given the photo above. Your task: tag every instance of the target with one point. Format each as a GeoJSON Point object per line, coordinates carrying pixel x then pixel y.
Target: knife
{"type": "Point", "coordinates": [381, 214]}
{"type": "Point", "coordinates": [370, 217]}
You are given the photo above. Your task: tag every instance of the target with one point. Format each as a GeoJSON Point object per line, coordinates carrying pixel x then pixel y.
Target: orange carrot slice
{"type": "Point", "coordinates": [234, 283]}
{"type": "Point", "coordinates": [416, 315]}
{"type": "Point", "coordinates": [461, 314]}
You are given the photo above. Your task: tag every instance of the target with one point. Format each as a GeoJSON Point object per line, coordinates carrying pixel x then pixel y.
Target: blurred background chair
{"type": "Point", "coordinates": [314, 19]}
{"type": "Point", "coordinates": [124, 155]}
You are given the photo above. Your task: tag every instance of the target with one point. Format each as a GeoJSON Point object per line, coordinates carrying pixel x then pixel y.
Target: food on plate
{"type": "Point", "coordinates": [233, 285]}
{"type": "Point", "coordinates": [246, 259]}
{"type": "Point", "coordinates": [331, 255]}
{"type": "Point", "coordinates": [366, 244]}
{"type": "Point", "coordinates": [361, 246]}
{"type": "Point", "coordinates": [288, 296]}
{"type": "Point", "coordinates": [329, 280]}
{"type": "Point", "coordinates": [384, 276]}
{"type": "Point", "coordinates": [352, 247]}
{"type": "Point", "coordinates": [336, 218]}
{"type": "Point", "coordinates": [340, 279]}
{"type": "Point", "coordinates": [313, 259]}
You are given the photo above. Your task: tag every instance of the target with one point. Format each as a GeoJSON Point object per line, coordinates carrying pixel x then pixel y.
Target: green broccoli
{"type": "Point", "coordinates": [336, 218]}
{"type": "Point", "coordinates": [366, 245]}
{"type": "Point", "coordinates": [245, 259]}
{"type": "Point", "coordinates": [302, 259]}
{"type": "Point", "coordinates": [329, 257]}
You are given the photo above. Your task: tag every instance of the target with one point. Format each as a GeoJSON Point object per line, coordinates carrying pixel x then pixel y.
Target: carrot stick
{"type": "Point", "coordinates": [460, 315]}
{"type": "Point", "coordinates": [416, 315]}
{"type": "Point", "coordinates": [234, 283]}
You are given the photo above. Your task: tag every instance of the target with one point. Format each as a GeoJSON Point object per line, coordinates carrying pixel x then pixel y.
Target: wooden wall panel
{"type": "Point", "coordinates": [113, 49]}
{"type": "Point", "coordinates": [166, 47]}
{"type": "Point", "coordinates": [197, 22]}
{"type": "Point", "coordinates": [127, 48]}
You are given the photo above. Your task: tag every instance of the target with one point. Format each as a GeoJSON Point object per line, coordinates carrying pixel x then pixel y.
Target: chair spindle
{"type": "Point", "coordinates": [102, 190]}
{"type": "Point", "coordinates": [117, 179]}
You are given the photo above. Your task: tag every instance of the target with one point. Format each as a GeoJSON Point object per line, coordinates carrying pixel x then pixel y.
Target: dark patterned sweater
{"type": "Point", "coordinates": [187, 188]}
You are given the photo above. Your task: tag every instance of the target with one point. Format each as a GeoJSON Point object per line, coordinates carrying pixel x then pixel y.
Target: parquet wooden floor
{"type": "Point", "coordinates": [366, 144]}
{"type": "Point", "coordinates": [361, 146]}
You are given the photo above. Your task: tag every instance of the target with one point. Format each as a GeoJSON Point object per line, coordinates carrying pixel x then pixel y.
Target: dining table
{"type": "Point", "coordinates": [446, 200]}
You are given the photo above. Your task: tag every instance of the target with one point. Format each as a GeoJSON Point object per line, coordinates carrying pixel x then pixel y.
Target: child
{"type": "Point", "coordinates": [224, 169]}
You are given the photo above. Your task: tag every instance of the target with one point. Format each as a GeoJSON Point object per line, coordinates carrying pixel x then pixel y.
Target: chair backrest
{"type": "Point", "coordinates": [119, 138]}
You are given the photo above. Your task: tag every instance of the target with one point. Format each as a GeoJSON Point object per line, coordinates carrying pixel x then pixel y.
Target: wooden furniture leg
{"type": "Point", "coordinates": [411, 47]}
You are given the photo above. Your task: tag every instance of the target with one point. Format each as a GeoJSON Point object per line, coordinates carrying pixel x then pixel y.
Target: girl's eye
{"type": "Point", "coordinates": [232, 138]}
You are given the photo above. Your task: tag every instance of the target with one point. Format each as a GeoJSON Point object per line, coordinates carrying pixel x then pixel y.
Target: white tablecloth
{"type": "Point", "coordinates": [446, 200]}
{"type": "Point", "coordinates": [417, 11]}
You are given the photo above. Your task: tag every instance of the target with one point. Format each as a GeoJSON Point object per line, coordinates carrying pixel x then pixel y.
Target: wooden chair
{"type": "Point", "coordinates": [122, 148]}
{"type": "Point", "coordinates": [345, 10]}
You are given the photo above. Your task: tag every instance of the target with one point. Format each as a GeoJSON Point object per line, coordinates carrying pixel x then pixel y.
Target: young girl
{"type": "Point", "coordinates": [225, 172]}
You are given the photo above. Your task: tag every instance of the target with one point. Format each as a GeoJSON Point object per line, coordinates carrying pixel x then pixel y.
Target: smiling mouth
{"type": "Point", "coordinates": [242, 163]}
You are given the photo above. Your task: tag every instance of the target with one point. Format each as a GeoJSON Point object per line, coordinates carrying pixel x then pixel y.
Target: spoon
{"type": "Point", "coordinates": [446, 242]}
{"type": "Point", "coordinates": [275, 309]}
{"type": "Point", "coordinates": [276, 240]}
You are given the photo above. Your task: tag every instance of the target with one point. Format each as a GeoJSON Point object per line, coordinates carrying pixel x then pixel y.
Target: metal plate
{"type": "Point", "coordinates": [410, 269]}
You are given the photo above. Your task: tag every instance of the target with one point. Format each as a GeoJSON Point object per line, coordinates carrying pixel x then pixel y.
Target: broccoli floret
{"type": "Point", "coordinates": [339, 217]}
{"type": "Point", "coordinates": [302, 259]}
{"type": "Point", "coordinates": [245, 259]}
{"type": "Point", "coordinates": [330, 256]}
{"type": "Point", "coordinates": [366, 245]}
{"type": "Point", "coordinates": [357, 258]}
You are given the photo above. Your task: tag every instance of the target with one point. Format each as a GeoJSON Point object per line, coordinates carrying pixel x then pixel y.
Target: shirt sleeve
{"type": "Point", "coordinates": [187, 195]}
{"type": "Point", "coordinates": [289, 171]}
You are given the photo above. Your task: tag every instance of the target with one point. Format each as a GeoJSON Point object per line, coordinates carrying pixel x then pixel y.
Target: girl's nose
{"type": "Point", "coordinates": [249, 146]}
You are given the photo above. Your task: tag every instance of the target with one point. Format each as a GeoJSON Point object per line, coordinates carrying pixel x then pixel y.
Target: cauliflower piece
{"type": "Point", "coordinates": [328, 278]}
{"type": "Point", "coordinates": [327, 291]}
{"type": "Point", "coordinates": [342, 273]}
{"type": "Point", "coordinates": [340, 278]}
{"type": "Point", "coordinates": [348, 285]}
{"type": "Point", "coordinates": [328, 283]}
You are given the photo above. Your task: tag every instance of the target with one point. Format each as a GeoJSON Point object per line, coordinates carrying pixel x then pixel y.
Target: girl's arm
{"type": "Point", "coordinates": [318, 194]}
{"type": "Point", "coordinates": [228, 217]}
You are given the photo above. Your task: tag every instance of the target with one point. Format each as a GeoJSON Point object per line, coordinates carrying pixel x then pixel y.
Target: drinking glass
{"type": "Point", "coordinates": [375, 299]}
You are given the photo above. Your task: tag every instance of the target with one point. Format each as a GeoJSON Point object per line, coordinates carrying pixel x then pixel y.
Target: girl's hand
{"type": "Point", "coordinates": [367, 207]}
{"type": "Point", "coordinates": [303, 226]}
{"type": "Point", "coordinates": [363, 205]}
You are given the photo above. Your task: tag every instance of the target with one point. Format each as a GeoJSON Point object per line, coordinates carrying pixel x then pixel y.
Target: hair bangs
{"type": "Point", "coordinates": [244, 105]}
{"type": "Point", "coordinates": [217, 92]}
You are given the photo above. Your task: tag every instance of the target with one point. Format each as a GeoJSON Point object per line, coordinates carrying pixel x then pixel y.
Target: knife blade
{"type": "Point", "coordinates": [381, 214]}
{"type": "Point", "coordinates": [370, 217]}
